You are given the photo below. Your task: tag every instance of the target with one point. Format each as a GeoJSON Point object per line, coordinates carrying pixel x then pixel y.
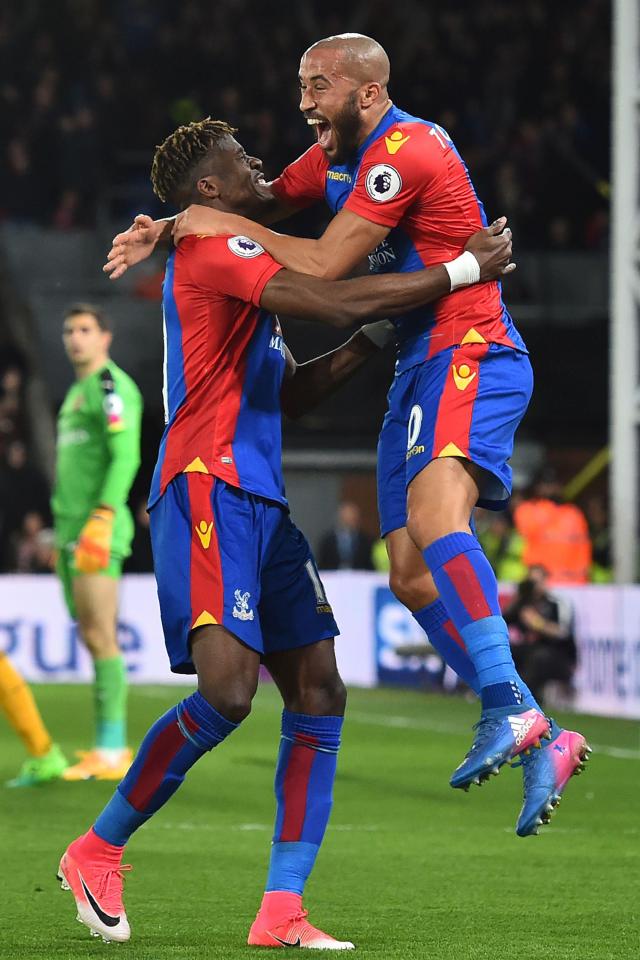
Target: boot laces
{"type": "Point", "coordinates": [111, 885]}
{"type": "Point", "coordinates": [528, 764]}
{"type": "Point", "coordinates": [484, 728]}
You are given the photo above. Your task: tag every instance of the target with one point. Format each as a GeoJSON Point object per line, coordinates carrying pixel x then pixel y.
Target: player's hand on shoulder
{"type": "Point", "coordinates": [206, 222]}
{"type": "Point", "coordinates": [492, 248]}
{"type": "Point", "coordinates": [135, 244]}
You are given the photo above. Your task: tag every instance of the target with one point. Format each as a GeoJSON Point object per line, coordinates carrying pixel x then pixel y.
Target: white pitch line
{"type": "Point", "coordinates": [409, 723]}
{"type": "Point", "coordinates": [620, 753]}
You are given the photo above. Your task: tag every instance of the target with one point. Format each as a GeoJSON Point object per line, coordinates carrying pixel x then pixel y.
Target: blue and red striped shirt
{"type": "Point", "coordinates": [223, 368]}
{"type": "Point", "coordinates": [408, 176]}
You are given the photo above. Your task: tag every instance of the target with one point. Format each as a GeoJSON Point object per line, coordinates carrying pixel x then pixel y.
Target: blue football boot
{"type": "Point", "coordinates": [545, 775]}
{"type": "Point", "coordinates": [497, 741]}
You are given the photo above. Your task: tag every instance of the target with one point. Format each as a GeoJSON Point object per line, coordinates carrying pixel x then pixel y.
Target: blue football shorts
{"type": "Point", "coordinates": [464, 402]}
{"type": "Point", "coordinates": [224, 556]}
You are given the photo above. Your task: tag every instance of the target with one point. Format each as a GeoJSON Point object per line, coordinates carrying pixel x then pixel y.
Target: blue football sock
{"type": "Point", "coordinates": [468, 588]}
{"type": "Point", "coordinates": [304, 793]}
{"type": "Point", "coordinates": [443, 637]}
{"type": "Point", "coordinates": [171, 747]}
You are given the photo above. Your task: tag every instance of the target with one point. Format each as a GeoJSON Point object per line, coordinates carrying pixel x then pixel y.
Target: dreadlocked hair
{"type": "Point", "coordinates": [178, 155]}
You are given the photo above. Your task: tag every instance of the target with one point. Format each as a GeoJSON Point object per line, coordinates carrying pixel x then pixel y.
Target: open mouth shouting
{"type": "Point", "coordinates": [324, 131]}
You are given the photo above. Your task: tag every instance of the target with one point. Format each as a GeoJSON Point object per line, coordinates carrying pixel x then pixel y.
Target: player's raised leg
{"type": "Point", "coordinates": [409, 578]}
{"type": "Point", "coordinates": [46, 760]}
{"type": "Point", "coordinates": [457, 413]}
{"type": "Point", "coordinates": [413, 585]}
{"type": "Point", "coordinates": [545, 772]}
{"type": "Point", "coordinates": [95, 600]}
{"type": "Point", "coordinates": [92, 865]}
{"type": "Point", "coordinates": [469, 590]}
{"type": "Point", "coordinates": [314, 701]}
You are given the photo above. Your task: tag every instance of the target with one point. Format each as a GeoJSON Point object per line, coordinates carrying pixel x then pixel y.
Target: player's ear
{"type": "Point", "coordinates": [369, 94]}
{"type": "Point", "coordinates": [208, 188]}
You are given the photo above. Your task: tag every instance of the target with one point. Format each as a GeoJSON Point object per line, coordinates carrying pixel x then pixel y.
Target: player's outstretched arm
{"type": "Point", "coordinates": [306, 384]}
{"type": "Point", "coordinates": [345, 242]}
{"type": "Point", "coordinates": [342, 303]}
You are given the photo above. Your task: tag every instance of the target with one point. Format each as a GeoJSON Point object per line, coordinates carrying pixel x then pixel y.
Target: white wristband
{"type": "Point", "coordinates": [463, 271]}
{"type": "Point", "coordinates": [380, 333]}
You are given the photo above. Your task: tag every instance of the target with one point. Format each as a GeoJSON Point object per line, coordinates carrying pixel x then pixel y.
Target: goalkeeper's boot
{"type": "Point", "coordinates": [545, 774]}
{"type": "Point", "coordinates": [498, 739]}
{"type": "Point", "coordinates": [282, 922]}
{"type": "Point", "coordinates": [37, 770]}
{"type": "Point", "coordinates": [100, 764]}
{"type": "Point", "coordinates": [92, 870]}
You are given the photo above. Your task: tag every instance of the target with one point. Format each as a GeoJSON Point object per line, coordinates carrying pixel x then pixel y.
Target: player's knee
{"type": "Point", "coordinates": [233, 701]}
{"type": "Point", "coordinates": [415, 591]}
{"type": "Point", "coordinates": [424, 527]}
{"type": "Point", "coordinates": [98, 641]}
{"type": "Point", "coordinates": [336, 697]}
{"type": "Point", "coordinates": [325, 696]}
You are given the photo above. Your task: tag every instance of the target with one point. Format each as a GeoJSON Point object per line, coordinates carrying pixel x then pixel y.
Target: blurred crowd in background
{"type": "Point", "coordinates": [88, 88]}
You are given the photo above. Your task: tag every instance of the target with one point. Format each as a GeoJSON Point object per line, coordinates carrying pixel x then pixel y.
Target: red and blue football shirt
{"type": "Point", "coordinates": [408, 176]}
{"type": "Point", "coordinates": [223, 368]}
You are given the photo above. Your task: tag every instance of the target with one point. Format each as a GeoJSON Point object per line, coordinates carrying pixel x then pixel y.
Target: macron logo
{"type": "Point", "coordinates": [520, 727]}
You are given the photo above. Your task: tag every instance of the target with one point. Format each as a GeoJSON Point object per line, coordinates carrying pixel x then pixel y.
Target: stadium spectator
{"type": "Point", "coordinates": [380, 557]}
{"type": "Point", "coordinates": [502, 544]}
{"type": "Point", "coordinates": [24, 543]}
{"type": "Point", "coordinates": [555, 533]}
{"type": "Point", "coordinates": [11, 405]}
{"type": "Point", "coordinates": [23, 490]}
{"type": "Point", "coordinates": [33, 547]}
{"type": "Point", "coordinates": [541, 627]}
{"type": "Point", "coordinates": [44, 560]}
{"type": "Point", "coordinates": [346, 546]}
{"type": "Point", "coordinates": [600, 533]}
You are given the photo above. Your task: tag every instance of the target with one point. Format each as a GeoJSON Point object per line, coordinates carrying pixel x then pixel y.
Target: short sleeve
{"type": "Point", "coordinates": [229, 266]}
{"type": "Point", "coordinates": [396, 170]}
{"type": "Point", "coordinates": [303, 181]}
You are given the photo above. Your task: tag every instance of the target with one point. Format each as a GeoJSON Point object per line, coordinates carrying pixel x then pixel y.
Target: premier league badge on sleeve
{"type": "Point", "coordinates": [383, 182]}
{"type": "Point", "coordinates": [244, 247]}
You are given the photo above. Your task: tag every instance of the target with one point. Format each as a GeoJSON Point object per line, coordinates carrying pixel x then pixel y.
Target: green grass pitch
{"type": "Point", "coordinates": [410, 868]}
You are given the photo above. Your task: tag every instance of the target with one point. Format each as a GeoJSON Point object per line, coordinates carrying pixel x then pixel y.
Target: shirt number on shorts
{"type": "Point", "coordinates": [415, 425]}
{"type": "Point", "coordinates": [316, 582]}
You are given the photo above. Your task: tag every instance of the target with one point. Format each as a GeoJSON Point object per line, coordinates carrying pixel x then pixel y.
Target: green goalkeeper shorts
{"type": "Point", "coordinates": [67, 532]}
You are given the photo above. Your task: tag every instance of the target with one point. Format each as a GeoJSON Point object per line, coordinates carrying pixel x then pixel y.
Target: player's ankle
{"type": "Point", "coordinates": [280, 903]}
{"type": "Point", "coordinates": [94, 847]}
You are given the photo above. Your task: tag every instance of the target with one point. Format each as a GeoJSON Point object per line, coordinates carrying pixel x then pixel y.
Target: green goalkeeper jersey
{"type": "Point", "coordinates": [98, 444]}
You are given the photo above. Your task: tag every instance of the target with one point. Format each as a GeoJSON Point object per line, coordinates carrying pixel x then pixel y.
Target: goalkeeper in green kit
{"type": "Point", "coordinates": [98, 455]}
